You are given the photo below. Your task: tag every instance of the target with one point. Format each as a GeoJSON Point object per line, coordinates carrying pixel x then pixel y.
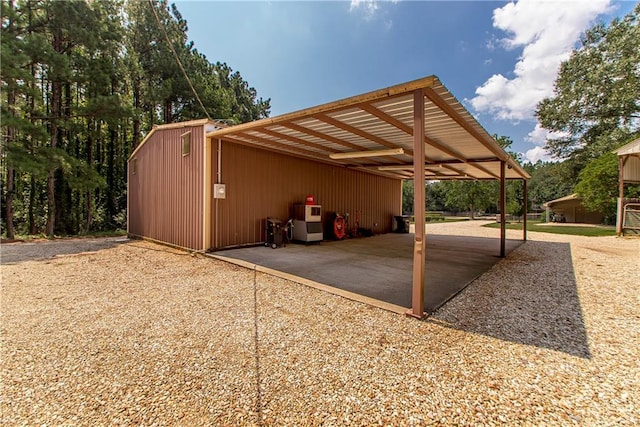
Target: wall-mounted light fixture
{"type": "Point", "coordinates": [370, 153]}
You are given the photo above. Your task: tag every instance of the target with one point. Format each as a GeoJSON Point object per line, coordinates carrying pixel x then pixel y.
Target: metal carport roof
{"type": "Point", "coordinates": [416, 130]}
{"type": "Point", "coordinates": [456, 146]}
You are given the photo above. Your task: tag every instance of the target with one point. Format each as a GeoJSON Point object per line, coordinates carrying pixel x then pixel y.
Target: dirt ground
{"type": "Point", "coordinates": [110, 331]}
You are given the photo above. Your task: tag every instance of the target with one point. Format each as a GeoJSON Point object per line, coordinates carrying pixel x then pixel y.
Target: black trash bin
{"type": "Point", "coordinates": [274, 233]}
{"type": "Point", "coordinates": [402, 223]}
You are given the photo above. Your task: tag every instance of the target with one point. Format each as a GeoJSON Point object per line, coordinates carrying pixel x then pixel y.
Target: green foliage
{"type": "Point", "coordinates": [596, 102]}
{"type": "Point", "coordinates": [596, 108]}
{"type": "Point", "coordinates": [471, 196]}
{"type": "Point", "coordinates": [594, 231]}
{"type": "Point", "coordinates": [434, 194]}
{"type": "Point", "coordinates": [407, 197]}
{"type": "Point", "coordinates": [598, 185]}
{"type": "Point", "coordinates": [436, 197]}
{"type": "Point", "coordinates": [549, 181]}
{"type": "Point", "coordinates": [81, 82]}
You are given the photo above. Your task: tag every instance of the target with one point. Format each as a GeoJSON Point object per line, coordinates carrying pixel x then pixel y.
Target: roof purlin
{"type": "Point", "coordinates": [277, 144]}
{"type": "Point", "coordinates": [386, 93]}
{"type": "Point", "coordinates": [460, 138]}
{"type": "Point", "coordinates": [293, 139]}
{"type": "Point", "coordinates": [356, 131]}
{"type": "Point", "coordinates": [409, 130]}
{"type": "Point", "coordinates": [320, 135]}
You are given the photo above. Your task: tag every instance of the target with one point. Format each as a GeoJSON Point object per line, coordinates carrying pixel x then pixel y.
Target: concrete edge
{"type": "Point", "coordinates": [315, 285]}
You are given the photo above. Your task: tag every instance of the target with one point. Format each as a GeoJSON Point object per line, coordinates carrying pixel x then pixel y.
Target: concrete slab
{"type": "Point", "coordinates": [380, 267]}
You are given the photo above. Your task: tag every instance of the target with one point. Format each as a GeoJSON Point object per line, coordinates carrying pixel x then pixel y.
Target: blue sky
{"type": "Point", "coordinates": [498, 58]}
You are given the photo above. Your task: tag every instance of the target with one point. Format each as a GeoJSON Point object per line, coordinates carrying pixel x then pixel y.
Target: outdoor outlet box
{"type": "Point", "coordinates": [219, 191]}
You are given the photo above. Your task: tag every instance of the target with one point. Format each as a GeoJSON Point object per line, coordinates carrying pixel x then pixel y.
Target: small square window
{"type": "Point", "coordinates": [186, 143]}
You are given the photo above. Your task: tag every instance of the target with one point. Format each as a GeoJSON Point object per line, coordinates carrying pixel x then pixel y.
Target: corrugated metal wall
{"type": "Point", "coordinates": [261, 184]}
{"type": "Point", "coordinates": [632, 169]}
{"type": "Point", "coordinates": [166, 191]}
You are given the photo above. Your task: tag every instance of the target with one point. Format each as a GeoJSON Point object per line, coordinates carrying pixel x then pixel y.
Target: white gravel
{"type": "Point", "coordinates": [138, 333]}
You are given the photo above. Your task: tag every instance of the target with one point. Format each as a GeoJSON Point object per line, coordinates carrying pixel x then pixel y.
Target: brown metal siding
{"type": "Point", "coordinates": [166, 193]}
{"type": "Point", "coordinates": [261, 184]}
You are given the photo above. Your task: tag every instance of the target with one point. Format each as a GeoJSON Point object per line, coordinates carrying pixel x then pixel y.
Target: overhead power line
{"type": "Point", "coordinates": [175, 55]}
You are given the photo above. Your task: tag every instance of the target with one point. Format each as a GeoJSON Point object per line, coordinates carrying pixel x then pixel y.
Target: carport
{"type": "Point", "coordinates": [416, 130]}
{"type": "Point", "coordinates": [378, 270]}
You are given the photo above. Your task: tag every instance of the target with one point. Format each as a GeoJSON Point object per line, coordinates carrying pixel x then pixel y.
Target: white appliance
{"type": "Point", "coordinates": [307, 223]}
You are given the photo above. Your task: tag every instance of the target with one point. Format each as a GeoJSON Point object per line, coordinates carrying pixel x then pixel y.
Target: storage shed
{"type": "Point", "coordinates": [570, 209]}
{"type": "Point", "coordinates": [628, 214]}
{"type": "Point", "coordinates": [199, 185]}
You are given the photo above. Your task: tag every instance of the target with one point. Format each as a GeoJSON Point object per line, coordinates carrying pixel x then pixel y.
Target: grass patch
{"type": "Point", "coordinates": [574, 230]}
{"type": "Point", "coordinates": [442, 219]}
{"type": "Point", "coordinates": [455, 219]}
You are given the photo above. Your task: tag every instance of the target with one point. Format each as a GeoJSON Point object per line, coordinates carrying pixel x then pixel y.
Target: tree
{"type": "Point", "coordinates": [596, 101]}
{"type": "Point", "coordinates": [598, 185]}
{"type": "Point", "coordinates": [549, 181]}
{"type": "Point", "coordinates": [472, 196]}
{"type": "Point", "coordinates": [596, 107]}
{"type": "Point", "coordinates": [81, 82]}
{"type": "Point", "coordinates": [407, 197]}
{"type": "Point", "coordinates": [436, 197]}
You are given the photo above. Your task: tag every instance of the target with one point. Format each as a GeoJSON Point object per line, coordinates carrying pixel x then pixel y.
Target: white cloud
{"type": "Point", "coordinates": [370, 9]}
{"type": "Point", "coordinates": [368, 6]}
{"type": "Point", "coordinates": [539, 135]}
{"type": "Point", "coordinates": [546, 32]}
{"type": "Point", "coordinates": [538, 153]}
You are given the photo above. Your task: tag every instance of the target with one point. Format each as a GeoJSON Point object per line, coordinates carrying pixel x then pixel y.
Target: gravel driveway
{"type": "Point", "coordinates": [138, 333]}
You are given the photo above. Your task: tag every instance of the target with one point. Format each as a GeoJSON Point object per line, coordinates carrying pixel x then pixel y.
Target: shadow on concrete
{"type": "Point", "coordinates": [13, 253]}
{"type": "Point", "coordinates": [380, 267]}
{"type": "Point", "coordinates": [530, 298]}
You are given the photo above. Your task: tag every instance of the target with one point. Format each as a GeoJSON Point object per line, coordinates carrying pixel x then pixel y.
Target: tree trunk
{"type": "Point", "coordinates": [9, 203]}
{"type": "Point", "coordinates": [10, 137]}
{"type": "Point", "coordinates": [11, 173]}
{"type": "Point", "coordinates": [32, 201]}
{"type": "Point", "coordinates": [111, 153]}
{"type": "Point", "coordinates": [56, 98]}
{"type": "Point", "coordinates": [88, 193]}
{"type": "Point", "coordinates": [136, 117]}
{"type": "Point", "coordinates": [168, 113]}
{"type": "Point", "coordinates": [89, 211]}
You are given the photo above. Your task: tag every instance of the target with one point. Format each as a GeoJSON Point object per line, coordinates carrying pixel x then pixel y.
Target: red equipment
{"type": "Point", "coordinates": [339, 227]}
